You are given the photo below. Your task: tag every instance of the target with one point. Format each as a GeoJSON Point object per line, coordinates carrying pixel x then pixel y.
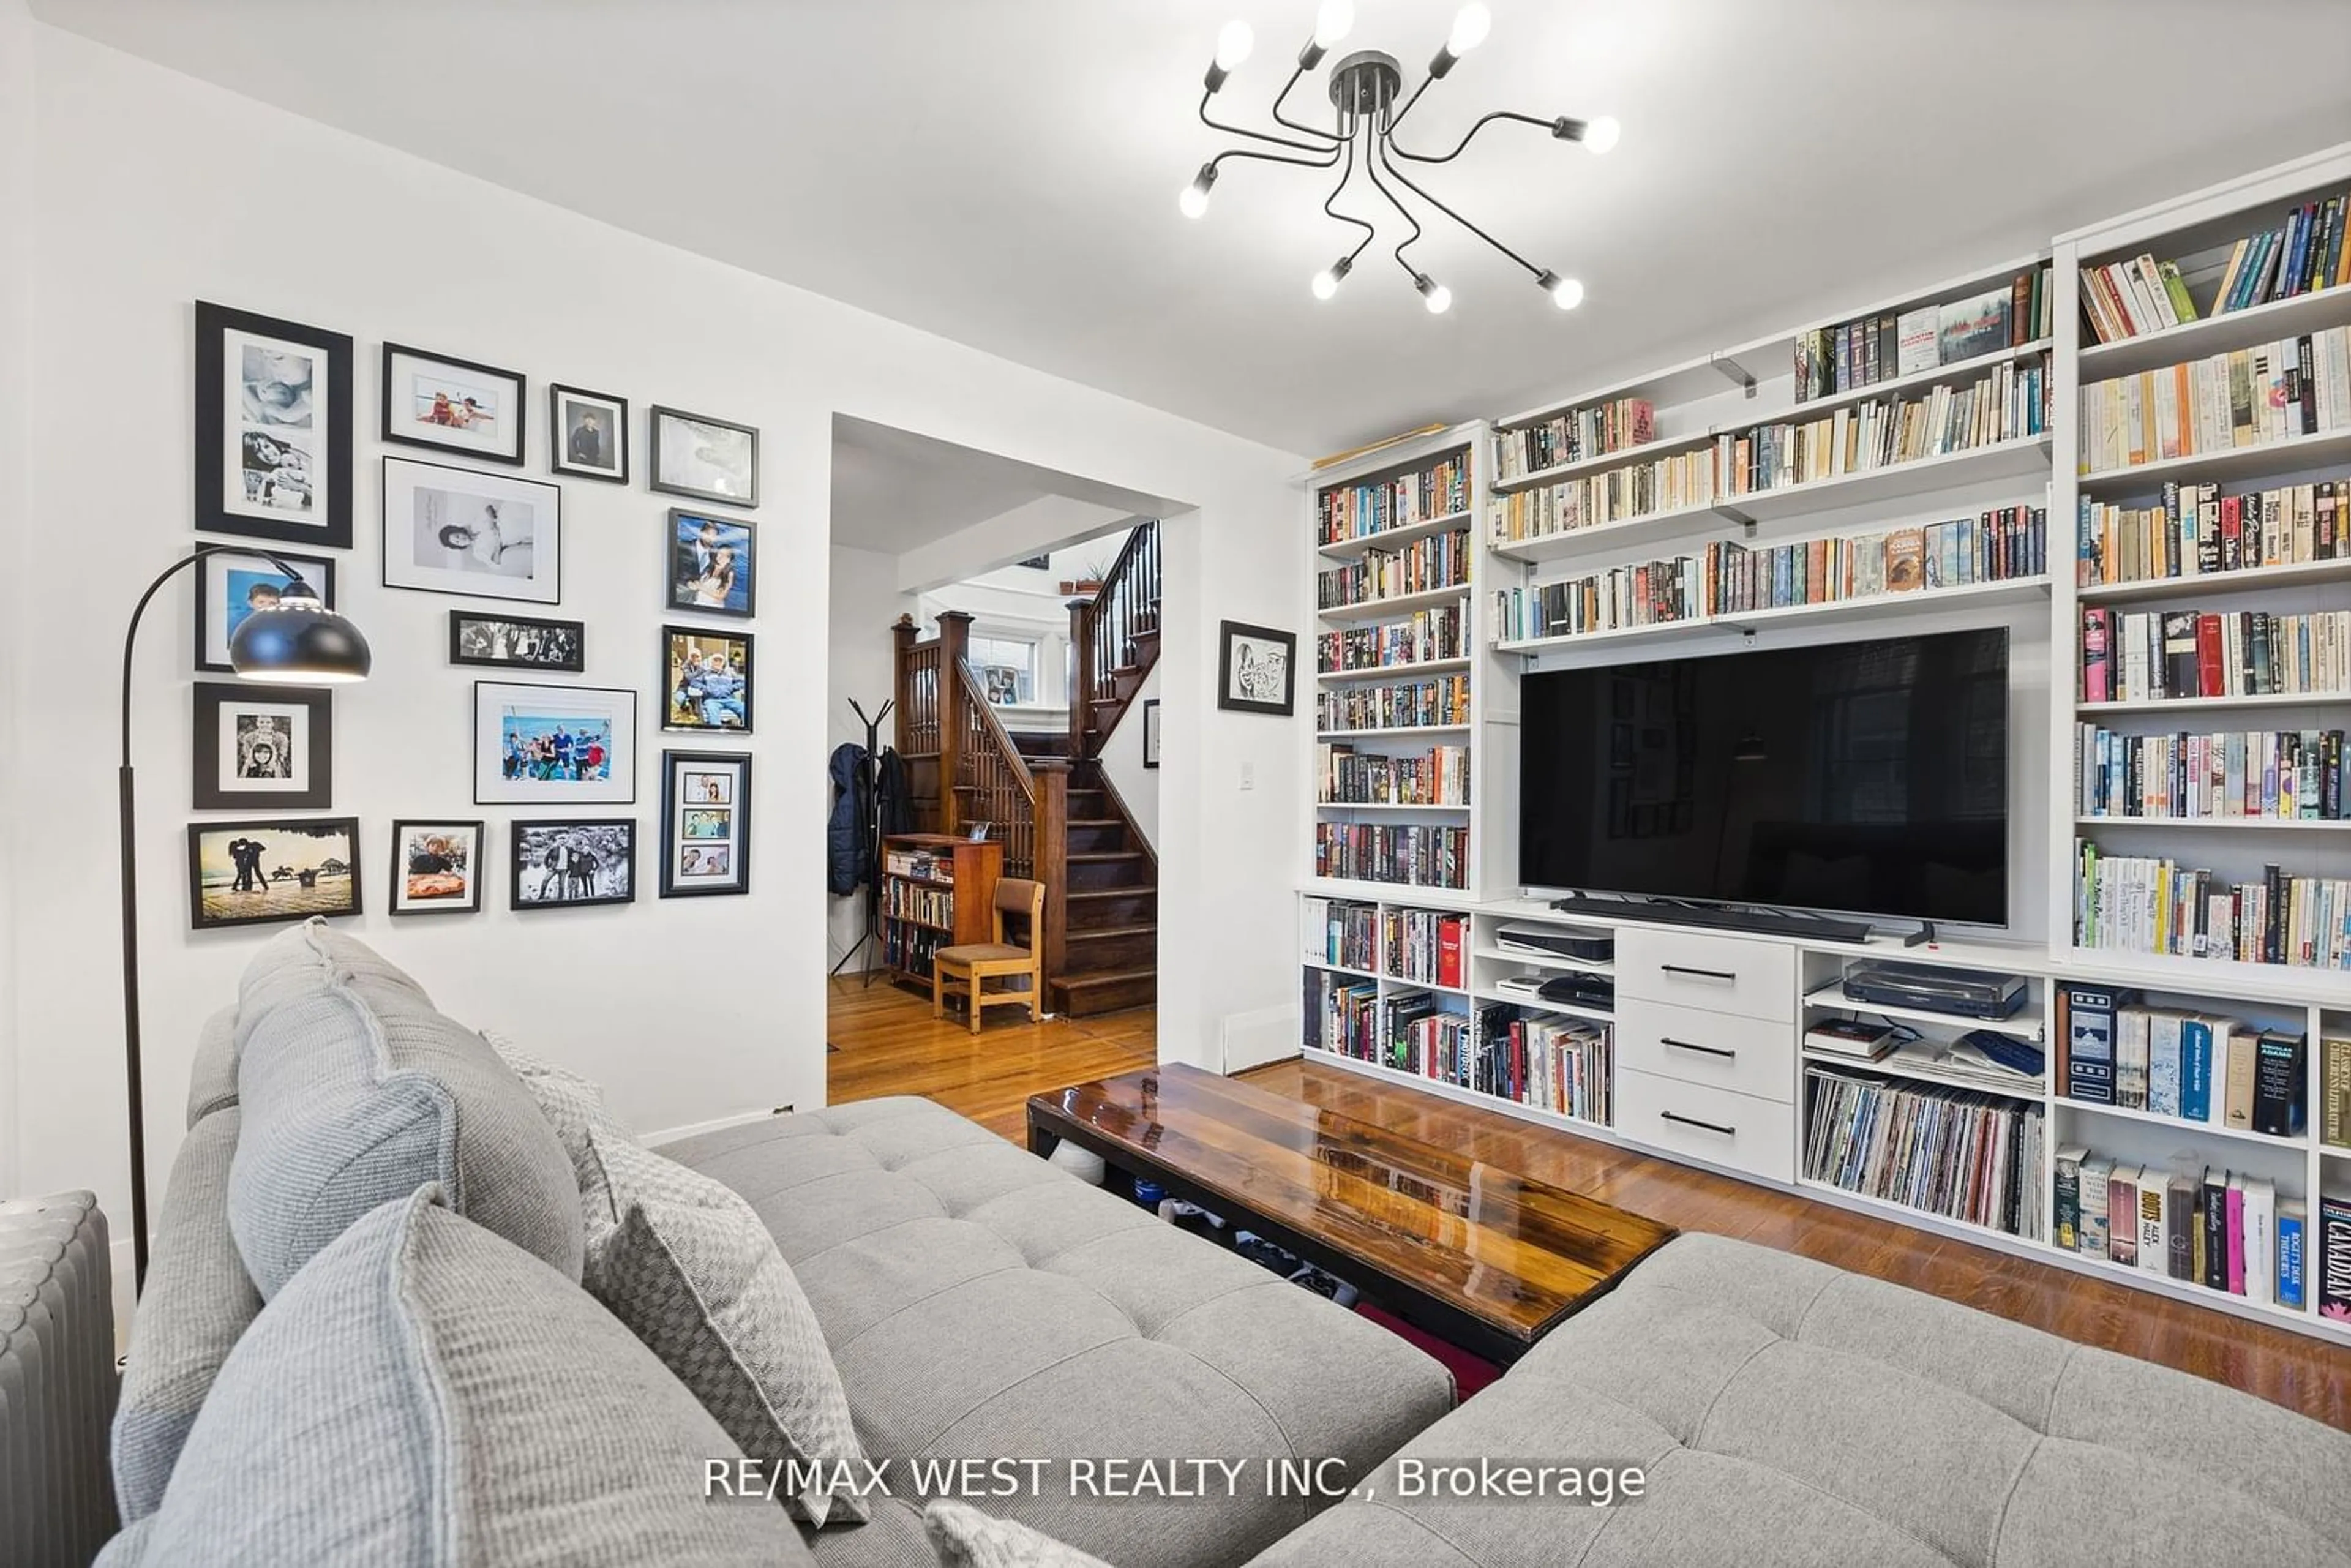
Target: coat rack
{"type": "Point", "coordinates": [870, 783]}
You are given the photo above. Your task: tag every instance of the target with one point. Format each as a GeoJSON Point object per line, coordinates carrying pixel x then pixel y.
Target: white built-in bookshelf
{"type": "Point", "coordinates": [1973, 513]}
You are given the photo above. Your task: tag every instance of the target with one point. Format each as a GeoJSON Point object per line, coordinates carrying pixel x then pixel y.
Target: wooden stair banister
{"type": "Point", "coordinates": [992, 778]}
{"type": "Point", "coordinates": [955, 688]}
{"type": "Point", "coordinates": [1053, 868]}
{"type": "Point", "coordinates": [1114, 642]}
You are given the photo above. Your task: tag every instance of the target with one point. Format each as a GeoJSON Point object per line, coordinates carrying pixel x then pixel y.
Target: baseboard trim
{"type": "Point", "coordinates": [660, 1136]}
{"type": "Point", "coordinates": [1254, 1039]}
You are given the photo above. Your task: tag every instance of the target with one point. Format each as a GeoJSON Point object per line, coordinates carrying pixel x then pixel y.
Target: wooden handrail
{"type": "Point", "coordinates": [1002, 791]}
{"type": "Point", "coordinates": [1110, 633]}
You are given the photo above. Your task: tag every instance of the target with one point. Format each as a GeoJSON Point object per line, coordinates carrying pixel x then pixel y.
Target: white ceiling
{"type": "Point", "coordinates": [895, 491]}
{"type": "Point", "coordinates": [1005, 172]}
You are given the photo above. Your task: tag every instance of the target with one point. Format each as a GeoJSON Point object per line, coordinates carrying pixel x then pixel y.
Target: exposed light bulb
{"type": "Point", "coordinates": [1565, 292]}
{"type": "Point", "coordinates": [1600, 134]}
{"type": "Point", "coordinates": [1327, 281]}
{"type": "Point", "coordinates": [1234, 43]}
{"type": "Point", "coordinates": [1195, 199]}
{"type": "Point", "coordinates": [1470, 26]}
{"type": "Point", "coordinates": [1433, 294]}
{"type": "Point", "coordinates": [1333, 22]}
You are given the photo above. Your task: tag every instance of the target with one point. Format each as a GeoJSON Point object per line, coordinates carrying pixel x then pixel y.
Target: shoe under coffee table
{"type": "Point", "coordinates": [1481, 1257]}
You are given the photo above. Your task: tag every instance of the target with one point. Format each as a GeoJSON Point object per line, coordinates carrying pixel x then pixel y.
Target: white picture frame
{"type": "Point", "coordinates": [476, 534]}
{"type": "Point", "coordinates": [530, 744]}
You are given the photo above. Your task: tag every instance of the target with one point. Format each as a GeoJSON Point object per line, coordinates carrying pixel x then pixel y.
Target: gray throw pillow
{"type": "Point", "coordinates": [572, 1106]}
{"type": "Point", "coordinates": [425, 1392]}
{"type": "Point", "coordinates": [694, 1272]}
{"type": "Point", "coordinates": [966, 1538]}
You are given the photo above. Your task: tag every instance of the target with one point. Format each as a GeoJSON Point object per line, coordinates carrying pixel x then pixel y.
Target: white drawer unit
{"type": "Point", "coordinates": [1738, 1131]}
{"type": "Point", "coordinates": [1745, 1055]}
{"type": "Point", "coordinates": [1720, 973]}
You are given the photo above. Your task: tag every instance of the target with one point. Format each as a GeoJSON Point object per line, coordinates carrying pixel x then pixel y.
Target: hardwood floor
{"type": "Point", "coordinates": [889, 1045]}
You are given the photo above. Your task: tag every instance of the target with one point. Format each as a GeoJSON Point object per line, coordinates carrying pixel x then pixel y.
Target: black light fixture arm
{"type": "Point", "coordinates": [1401, 178]}
{"type": "Point", "coordinates": [1330, 206]}
{"type": "Point", "coordinates": [1372, 168]}
{"type": "Point", "coordinates": [1483, 122]}
{"type": "Point", "coordinates": [1327, 161]}
{"type": "Point", "coordinates": [1330, 145]}
{"type": "Point", "coordinates": [1296, 73]}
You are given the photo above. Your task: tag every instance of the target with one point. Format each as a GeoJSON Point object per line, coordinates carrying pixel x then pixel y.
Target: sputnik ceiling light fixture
{"type": "Point", "coordinates": [1364, 88]}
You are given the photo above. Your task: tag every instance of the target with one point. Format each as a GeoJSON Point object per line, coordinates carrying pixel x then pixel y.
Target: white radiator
{"type": "Point", "coordinates": [57, 1381]}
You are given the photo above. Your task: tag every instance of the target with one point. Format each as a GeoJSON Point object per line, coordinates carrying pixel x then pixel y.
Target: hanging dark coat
{"type": "Point", "coordinates": [897, 787]}
{"type": "Point", "coordinates": [848, 849]}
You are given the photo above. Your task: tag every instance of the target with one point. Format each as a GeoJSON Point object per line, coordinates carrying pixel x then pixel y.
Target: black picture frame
{"type": "Point", "coordinates": [1151, 733]}
{"type": "Point", "coordinates": [403, 431]}
{"type": "Point", "coordinates": [574, 663]}
{"type": "Point", "coordinates": [670, 478]}
{"type": "Point", "coordinates": [315, 740]}
{"type": "Point", "coordinates": [411, 478]}
{"type": "Point", "coordinates": [400, 897]}
{"type": "Point", "coordinates": [696, 641]}
{"type": "Point", "coordinates": [294, 907]}
{"type": "Point", "coordinates": [216, 576]}
{"type": "Point", "coordinates": [678, 811]}
{"type": "Point", "coordinates": [530, 840]}
{"type": "Point", "coordinates": [685, 526]}
{"type": "Point", "coordinates": [1229, 634]}
{"type": "Point", "coordinates": [323, 521]}
{"type": "Point", "coordinates": [560, 457]}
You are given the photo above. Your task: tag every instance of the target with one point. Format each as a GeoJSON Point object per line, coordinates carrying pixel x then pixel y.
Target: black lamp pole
{"type": "Point", "coordinates": [301, 642]}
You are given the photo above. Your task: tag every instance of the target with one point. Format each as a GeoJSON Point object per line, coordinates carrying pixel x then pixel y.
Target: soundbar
{"type": "Point", "coordinates": [1716, 917]}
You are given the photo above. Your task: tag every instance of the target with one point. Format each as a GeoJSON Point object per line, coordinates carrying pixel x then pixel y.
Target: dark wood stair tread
{"type": "Point", "coordinates": [1104, 977]}
{"type": "Point", "coordinates": [1108, 933]}
{"type": "Point", "coordinates": [1099, 855]}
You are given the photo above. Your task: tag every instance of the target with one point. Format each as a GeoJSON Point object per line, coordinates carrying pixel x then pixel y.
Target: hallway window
{"type": "Point", "coordinates": [1008, 669]}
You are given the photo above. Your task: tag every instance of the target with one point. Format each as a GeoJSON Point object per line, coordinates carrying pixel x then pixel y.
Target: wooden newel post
{"type": "Point", "coordinates": [901, 639]}
{"type": "Point", "coordinates": [1052, 856]}
{"type": "Point", "coordinates": [1081, 672]}
{"type": "Point", "coordinates": [954, 714]}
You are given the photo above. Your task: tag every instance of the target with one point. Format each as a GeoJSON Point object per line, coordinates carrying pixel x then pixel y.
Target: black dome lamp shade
{"type": "Point", "coordinates": [300, 642]}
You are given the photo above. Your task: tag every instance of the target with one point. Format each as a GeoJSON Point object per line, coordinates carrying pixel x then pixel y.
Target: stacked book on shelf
{"type": "Point", "coordinates": [1542, 1059]}
{"type": "Point", "coordinates": [2225, 1230]}
{"type": "Point", "coordinates": [919, 866]}
{"type": "Point", "coordinates": [1952, 1151]}
{"type": "Point", "coordinates": [1571, 437]}
{"type": "Point", "coordinates": [1441, 560]}
{"type": "Point", "coordinates": [2130, 656]}
{"type": "Point", "coordinates": [2246, 397]}
{"type": "Point", "coordinates": [1334, 931]}
{"type": "Point", "coordinates": [1343, 1017]}
{"type": "Point", "coordinates": [2302, 255]}
{"type": "Point", "coordinates": [2154, 905]}
{"type": "Point", "coordinates": [2196, 530]}
{"type": "Point", "coordinates": [1399, 705]}
{"type": "Point", "coordinates": [1427, 947]}
{"type": "Point", "coordinates": [1442, 632]}
{"type": "Point", "coordinates": [1438, 777]}
{"type": "Point", "coordinates": [2113, 1049]}
{"type": "Point", "coordinates": [1893, 343]}
{"type": "Point", "coordinates": [1407, 857]}
{"type": "Point", "coordinates": [2277, 774]}
{"type": "Point", "coordinates": [906, 899]}
{"type": "Point", "coordinates": [1417, 1035]}
{"type": "Point", "coordinates": [2335, 1092]}
{"type": "Point", "coordinates": [1374, 506]}
{"type": "Point", "coordinates": [1731, 579]}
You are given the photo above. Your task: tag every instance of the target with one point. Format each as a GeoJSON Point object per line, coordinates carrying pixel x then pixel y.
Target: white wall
{"type": "Point", "coordinates": [17, 33]}
{"type": "Point", "coordinates": [864, 602]}
{"type": "Point", "coordinates": [1002, 540]}
{"type": "Point", "coordinates": [1122, 761]}
{"type": "Point", "coordinates": [147, 199]}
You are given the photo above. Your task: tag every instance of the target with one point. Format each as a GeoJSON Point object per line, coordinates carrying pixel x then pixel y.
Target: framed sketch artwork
{"type": "Point", "coordinates": [432, 400]}
{"type": "Point", "coordinates": [263, 746]}
{"type": "Point", "coordinates": [534, 744]}
{"type": "Point", "coordinates": [459, 530]}
{"type": "Point", "coordinates": [1256, 669]}
{"type": "Point", "coordinates": [273, 429]}
{"type": "Point", "coordinates": [232, 585]}
{"type": "Point", "coordinates": [704, 459]}
{"type": "Point", "coordinates": [705, 823]}
{"type": "Point", "coordinates": [436, 868]}
{"type": "Point", "coordinates": [587, 434]}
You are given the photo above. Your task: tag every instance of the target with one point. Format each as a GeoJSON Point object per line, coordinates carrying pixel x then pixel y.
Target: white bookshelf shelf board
{"type": "Point", "coordinates": [1454, 1091]}
{"type": "Point", "coordinates": [1389, 539]}
{"type": "Point", "coordinates": [2224, 982]}
{"type": "Point", "coordinates": [1564, 1009]}
{"type": "Point", "coordinates": [1398, 983]}
{"type": "Point", "coordinates": [1329, 968]}
{"type": "Point", "coordinates": [2211, 335]}
{"type": "Point", "coordinates": [1394, 604]}
{"type": "Point", "coordinates": [2026, 1023]}
{"type": "Point", "coordinates": [2333, 1152]}
{"type": "Point", "coordinates": [2013, 590]}
{"type": "Point", "coordinates": [1547, 961]}
{"type": "Point", "coordinates": [1905, 1211]}
{"type": "Point", "coordinates": [1893, 1066]}
{"type": "Point", "coordinates": [2284, 456]}
{"type": "Point", "coordinates": [1424, 668]}
{"type": "Point", "coordinates": [2201, 1129]}
{"type": "Point", "coordinates": [2187, 704]}
{"type": "Point", "coordinates": [1611, 535]}
{"type": "Point", "coordinates": [2204, 1295]}
{"type": "Point", "coordinates": [1418, 895]}
{"type": "Point", "coordinates": [2241, 824]}
{"type": "Point", "coordinates": [1392, 731]}
{"type": "Point", "coordinates": [2293, 574]}
{"type": "Point", "coordinates": [1388, 805]}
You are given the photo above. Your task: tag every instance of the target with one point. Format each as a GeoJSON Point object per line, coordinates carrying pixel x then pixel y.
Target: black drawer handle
{"type": "Point", "coordinates": [1694, 1121]}
{"type": "Point", "coordinates": [1686, 1045]}
{"type": "Point", "coordinates": [1701, 974]}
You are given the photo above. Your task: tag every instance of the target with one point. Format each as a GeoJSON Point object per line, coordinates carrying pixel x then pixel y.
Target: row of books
{"type": "Point", "coordinates": [1374, 506]}
{"type": "Point", "coordinates": [1395, 705]}
{"type": "Point", "coordinates": [1730, 579]}
{"type": "Point", "coordinates": [2335, 1092]}
{"type": "Point", "coordinates": [1336, 931]}
{"type": "Point", "coordinates": [1427, 945]}
{"type": "Point", "coordinates": [919, 866]}
{"type": "Point", "coordinates": [1442, 632]}
{"type": "Point", "coordinates": [2151, 655]}
{"type": "Point", "coordinates": [2114, 1050]}
{"type": "Point", "coordinates": [1952, 1151]}
{"type": "Point", "coordinates": [1407, 857]}
{"type": "Point", "coordinates": [1542, 1059]}
{"type": "Point", "coordinates": [1573, 436]}
{"type": "Point", "coordinates": [2152, 904]}
{"type": "Point", "coordinates": [2246, 397]}
{"type": "Point", "coordinates": [2197, 531]}
{"type": "Point", "coordinates": [1891, 344]}
{"type": "Point", "coordinates": [904, 900]}
{"type": "Point", "coordinates": [1441, 560]}
{"type": "Point", "coordinates": [2302, 255]}
{"type": "Point", "coordinates": [2225, 1230]}
{"type": "Point", "coordinates": [2138, 295]}
{"type": "Point", "coordinates": [1438, 777]}
{"type": "Point", "coordinates": [2255, 775]}
{"type": "Point", "coordinates": [910, 947]}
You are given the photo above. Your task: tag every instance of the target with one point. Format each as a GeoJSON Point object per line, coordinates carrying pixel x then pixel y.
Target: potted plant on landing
{"type": "Point", "coordinates": [1090, 581]}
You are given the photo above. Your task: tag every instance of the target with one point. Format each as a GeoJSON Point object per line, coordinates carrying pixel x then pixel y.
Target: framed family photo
{"type": "Point", "coordinates": [433, 400]}
{"type": "Point", "coordinates": [241, 874]}
{"type": "Point", "coordinates": [263, 746]}
{"type": "Point", "coordinates": [273, 429]}
{"type": "Point", "coordinates": [573, 863]}
{"type": "Point", "coordinates": [458, 530]}
{"type": "Point", "coordinates": [517, 642]}
{"type": "Point", "coordinates": [537, 744]}
{"type": "Point", "coordinates": [232, 585]}
{"type": "Point", "coordinates": [711, 564]}
{"type": "Point", "coordinates": [704, 459]}
{"type": "Point", "coordinates": [1256, 669]}
{"type": "Point", "coordinates": [587, 435]}
{"type": "Point", "coordinates": [436, 868]}
{"type": "Point", "coordinates": [705, 823]}
{"type": "Point", "coordinates": [707, 678]}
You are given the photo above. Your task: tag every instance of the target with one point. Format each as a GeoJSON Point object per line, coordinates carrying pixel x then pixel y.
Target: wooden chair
{"type": "Point", "coordinates": [977, 962]}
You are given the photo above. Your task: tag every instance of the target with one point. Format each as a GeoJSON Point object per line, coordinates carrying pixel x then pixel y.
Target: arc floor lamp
{"type": "Point", "coordinates": [300, 642]}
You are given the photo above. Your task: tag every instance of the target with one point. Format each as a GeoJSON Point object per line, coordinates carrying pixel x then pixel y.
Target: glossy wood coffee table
{"type": "Point", "coordinates": [1479, 1257]}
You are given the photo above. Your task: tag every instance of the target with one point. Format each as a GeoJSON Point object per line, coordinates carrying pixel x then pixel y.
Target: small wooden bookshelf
{"type": "Point", "coordinates": [937, 891]}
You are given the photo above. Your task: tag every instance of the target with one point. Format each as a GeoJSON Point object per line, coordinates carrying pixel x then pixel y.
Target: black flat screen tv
{"type": "Point", "coordinates": [1859, 777]}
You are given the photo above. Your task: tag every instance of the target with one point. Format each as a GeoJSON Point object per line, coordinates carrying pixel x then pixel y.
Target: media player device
{"type": "Point", "coordinates": [1962, 993]}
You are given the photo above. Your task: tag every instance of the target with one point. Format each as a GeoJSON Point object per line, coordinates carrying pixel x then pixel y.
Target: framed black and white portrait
{"type": "Point", "coordinates": [573, 863]}
{"type": "Point", "coordinates": [517, 642]}
{"type": "Point", "coordinates": [704, 459]}
{"type": "Point", "coordinates": [705, 823]}
{"type": "Point", "coordinates": [1256, 669]}
{"type": "Point", "coordinates": [273, 429]}
{"type": "Point", "coordinates": [263, 746]}
{"type": "Point", "coordinates": [434, 400]}
{"type": "Point", "coordinates": [232, 585]}
{"type": "Point", "coordinates": [539, 744]}
{"type": "Point", "coordinates": [436, 867]}
{"type": "Point", "coordinates": [587, 435]}
{"type": "Point", "coordinates": [459, 530]}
